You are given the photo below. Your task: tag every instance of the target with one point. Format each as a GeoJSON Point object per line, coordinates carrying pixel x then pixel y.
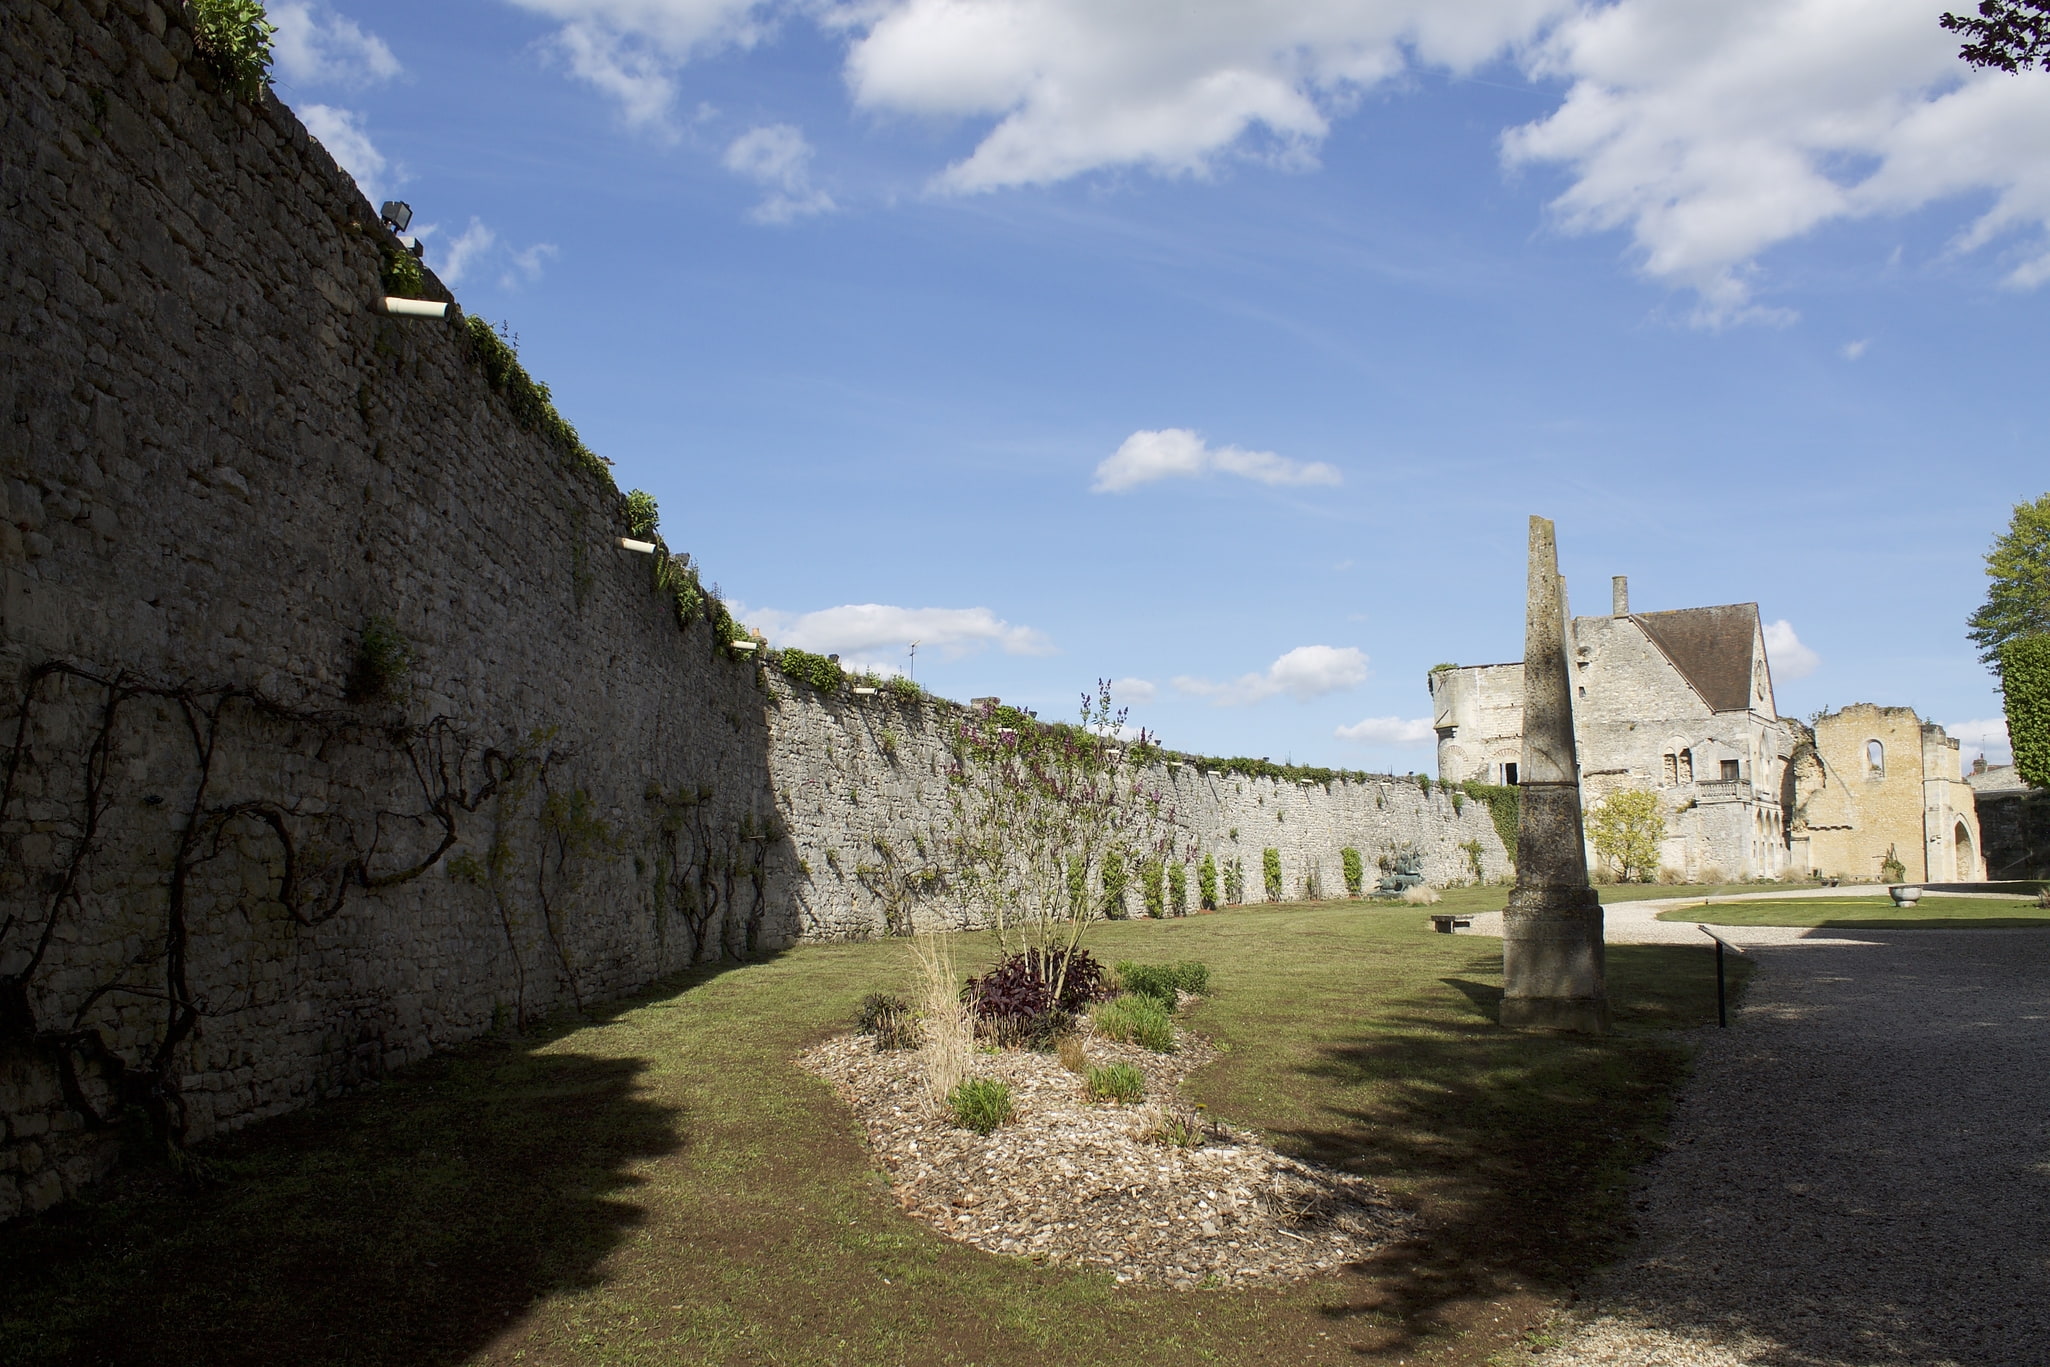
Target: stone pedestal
{"type": "Point", "coordinates": [1553, 972]}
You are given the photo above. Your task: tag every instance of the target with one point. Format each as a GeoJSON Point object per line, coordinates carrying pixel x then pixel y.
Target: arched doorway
{"type": "Point", "coordinates": [1967, 859]}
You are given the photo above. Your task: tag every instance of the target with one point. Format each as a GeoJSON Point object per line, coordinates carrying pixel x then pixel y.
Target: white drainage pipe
{"type": "Point", "coordinates": [415, 308]}
{"type": "Point", "coordinates": [627, 543]}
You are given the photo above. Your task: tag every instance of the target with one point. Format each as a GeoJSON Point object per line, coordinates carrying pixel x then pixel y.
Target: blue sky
{"type": "Point", "coordinates": [1223, 349]}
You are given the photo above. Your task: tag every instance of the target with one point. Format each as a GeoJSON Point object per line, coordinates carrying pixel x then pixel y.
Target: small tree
{"type": "Point", "coordinates": [1178, 888]}
{"type": "Point", "coordinates": [1270, 873]}
{"type": "Point", "coordinates": [1206, 883]}
{"type": "Point", "coordinates": [1113, 906]}
{"type": "Point", "coordinates": [2018, 600]}
{"type": "Point", "coordinates": [1626, 828]}
{"type": "Point", "coordinates": [1153, 888]}
{"type": "Point", "coordinates": [1037, 810]}
{"type": "Point", "coordinates": [1355, 871]}
{"type": "Point", "coordinates": [2025, 692]}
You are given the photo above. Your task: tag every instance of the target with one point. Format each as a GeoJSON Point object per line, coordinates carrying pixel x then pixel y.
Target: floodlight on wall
{"type": "Point", "coordinates": [627, 543]}
{"type": "Point", "coordinates": [415, 308]}
{"type": "Point", "coordinates": [397, 213]}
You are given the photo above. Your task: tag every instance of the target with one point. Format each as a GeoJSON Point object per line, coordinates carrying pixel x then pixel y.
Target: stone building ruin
{"type": "Point", "coordinates": [1678, 702]}
{"type": "Point", "coordinates": [1877, 783]}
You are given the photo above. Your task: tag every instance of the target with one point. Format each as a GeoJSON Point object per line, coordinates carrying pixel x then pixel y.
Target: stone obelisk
{"type": "Point", "coordinates": [1552, 967]}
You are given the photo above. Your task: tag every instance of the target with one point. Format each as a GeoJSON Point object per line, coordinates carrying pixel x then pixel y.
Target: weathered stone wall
{"type": "Point", "coordinates": [244, 860]}
{"type": "Point", "coordinates": [2014, 820]}
{"type": "Point", "coordinates": [1850, 813]}
{"type": "Point", "coordinates": [225, 888]}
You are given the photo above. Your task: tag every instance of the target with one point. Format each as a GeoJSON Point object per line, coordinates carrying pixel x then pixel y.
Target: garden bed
{"type": "Point", "coordinates": [1094, 1184]}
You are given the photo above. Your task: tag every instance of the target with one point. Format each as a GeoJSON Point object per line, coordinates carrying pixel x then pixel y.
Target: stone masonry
{"type": "Point", "coordinates": [234, 875]}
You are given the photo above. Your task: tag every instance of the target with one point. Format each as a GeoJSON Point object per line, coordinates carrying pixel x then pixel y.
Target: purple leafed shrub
{"type": "Point", "coordinates": [1019, 992]}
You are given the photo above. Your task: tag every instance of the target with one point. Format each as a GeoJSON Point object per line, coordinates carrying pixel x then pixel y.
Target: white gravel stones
{"type": "Point", "coordinates": [1082, 1183]}
{"type": "Point", "coordinates": [1859, 1172]}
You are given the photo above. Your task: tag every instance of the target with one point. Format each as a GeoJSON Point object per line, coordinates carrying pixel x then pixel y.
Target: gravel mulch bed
{"type": "Point", "coordinates": [1071, 1181]}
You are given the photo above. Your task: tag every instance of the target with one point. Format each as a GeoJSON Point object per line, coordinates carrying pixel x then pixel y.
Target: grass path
{"type": "Point", "coordinates": [1876, 913]}
{"type": "Point", "coordinates": [659, 1184]}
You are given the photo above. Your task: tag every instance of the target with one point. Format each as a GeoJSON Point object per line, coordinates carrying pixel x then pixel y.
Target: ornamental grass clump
{"type": "Point", "coordinates": [981, 1104]}
{"type": "Point", "coordinates": [946, 1030]}
{"type": "Point", "coordinates": [1119, 1082]}
{"type": "Point", "coordinates": [1143, 1021]}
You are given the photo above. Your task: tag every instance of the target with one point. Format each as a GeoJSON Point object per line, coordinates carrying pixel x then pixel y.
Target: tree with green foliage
{"type": "Point", "coordinates": [1206, 883]}
{"type": "Point", "coordinates": [1626, 828]}
{"type": "Point", "coordinates": [1355, 871]}
{"type": "Point", "coordinates": [2025, 692]}
{"type": "Point", "coordinates": [2007, 35]}
{"type": "Point", "coordinates": [2018, 600]}
{"type": "Point", "coordinates": [1270, 873]}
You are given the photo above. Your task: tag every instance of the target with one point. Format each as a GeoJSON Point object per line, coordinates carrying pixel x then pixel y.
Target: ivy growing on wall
{"type": "Point", "coordinates": [2025, 693]}
{"type": "Point", "coordinates": [533, 407]}
{"type": "Point", "coordinates": [1505, 806]}
{"type": "Point", "coordinates": [818, 671]}
{"type": "Point", "coordinates": [1270, 873]}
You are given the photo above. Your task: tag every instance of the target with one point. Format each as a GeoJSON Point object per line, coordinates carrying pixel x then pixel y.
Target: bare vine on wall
{"type": "Point", "coordinates": [61, 796]}
{"type": "Point", "coordinates": [711, 875]}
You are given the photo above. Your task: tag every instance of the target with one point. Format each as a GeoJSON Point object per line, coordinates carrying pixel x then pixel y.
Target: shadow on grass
{"type": "Point", "coordinates": [1517, 1148]}
{"type": "Point", "coordinates": [410, 1224]}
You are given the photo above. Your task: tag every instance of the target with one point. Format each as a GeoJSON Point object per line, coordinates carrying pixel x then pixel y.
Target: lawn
{"type": "Point", "coordinates": [1870, 913]}
{"type": "Point", "coordinates": [657, 1183]}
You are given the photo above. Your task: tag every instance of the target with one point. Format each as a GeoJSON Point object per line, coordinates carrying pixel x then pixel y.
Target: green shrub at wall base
{"type": "Point", "coordinates": [1114, 885]}
{"type": "Point", "coordinates": [1270, 873]}
{"type": "Point", "coordinates": [1153, 888]}
{"type": "Point", "coordinates": [1178, 889]}
{"type": "Point", "coordinates": [1355, 871]}
{"type": "Point", "coordinates": [2025, 692]}
{"type": "Point", "coordinates": [1206, 883]}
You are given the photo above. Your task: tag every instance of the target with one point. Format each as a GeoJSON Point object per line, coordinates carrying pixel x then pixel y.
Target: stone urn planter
{"type": "Point", "coordinates": [1904, 896]}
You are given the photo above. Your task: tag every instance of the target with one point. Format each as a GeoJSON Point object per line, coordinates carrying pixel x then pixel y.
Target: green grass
{"type": "Point", "coordinates": [981, 1104]}
{"type": "Point", "coordinates": [1144, 1021]}
{"type": "Point", "coordinates": [1116, 1082]}
{"type": "Point", "coordinates": [1873, 913]}
{"type": "Point", "coordinates": [659, 1184]}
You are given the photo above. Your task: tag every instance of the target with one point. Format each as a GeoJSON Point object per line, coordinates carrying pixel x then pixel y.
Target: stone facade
{"type": "Point", "coordinates": [342, 729]}
{"type": "Point", "coordinates": [1679, 703]}
{"type": "Point", "coordinates": [1879, 782]}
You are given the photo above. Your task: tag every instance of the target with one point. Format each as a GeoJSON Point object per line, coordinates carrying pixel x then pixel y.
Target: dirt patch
{"type": "Point", "coordinates": [1088, 1183]}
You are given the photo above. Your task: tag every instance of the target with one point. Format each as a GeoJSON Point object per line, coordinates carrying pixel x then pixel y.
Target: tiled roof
{"type": "Point", "coordinates": [1711, 647]}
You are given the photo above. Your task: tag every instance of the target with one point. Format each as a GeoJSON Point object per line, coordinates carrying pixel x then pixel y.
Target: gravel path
{"type": "Point", "coordinates": [1859, 1171]}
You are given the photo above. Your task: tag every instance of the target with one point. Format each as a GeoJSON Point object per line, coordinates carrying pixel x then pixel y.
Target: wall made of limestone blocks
{"type": "Point", "coordinates": [218, 463]}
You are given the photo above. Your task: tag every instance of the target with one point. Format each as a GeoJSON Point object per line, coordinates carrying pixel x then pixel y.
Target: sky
{"type": "Point", "coordinates": [1223, 349]}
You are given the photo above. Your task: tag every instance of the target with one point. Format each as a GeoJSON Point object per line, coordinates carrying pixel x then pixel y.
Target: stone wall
{"type": "Point", "coordinates": [1879, 781]}
{"type": "Point", "coordinates": [341, 728]}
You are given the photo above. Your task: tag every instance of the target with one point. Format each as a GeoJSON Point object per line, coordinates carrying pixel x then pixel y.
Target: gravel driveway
{"type": "Point", "coordinates": [1860, 1168]}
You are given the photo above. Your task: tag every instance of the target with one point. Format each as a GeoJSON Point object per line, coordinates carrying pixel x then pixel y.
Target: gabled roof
{"type": "Point", "coordinates": [1713, 648]}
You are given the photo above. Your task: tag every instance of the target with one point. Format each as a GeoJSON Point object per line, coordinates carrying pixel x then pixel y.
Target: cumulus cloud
{"type": "Point", "coordinates": [629, 50]}
{"type": "Point", "coordinates": [1389, 731]}
{"type": "Point", "coordinates": [1178, 453]}
{"type": "Point", "coordinates": [342, 133]}
{"type": "Point", "coordinates": [1712, 132]}
{"type": "Point", "coordinates": [1303, 673]}
{"type": "Point", "coordinates": [1790, 659]}
{"type": "Point", "coordinates": [1987, 737]}
{"type": "Point", "coordinates": [316, 46]}
{"type": "Point", "coordinates": [1134, 690]}
{"type": "Point", "coordinates": [776, 157]}
{"type": "Point", "coordinates": [857, 627]}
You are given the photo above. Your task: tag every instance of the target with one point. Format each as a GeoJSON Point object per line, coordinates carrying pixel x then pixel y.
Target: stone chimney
{"type": "Point", "coordinates": [1620, 588]}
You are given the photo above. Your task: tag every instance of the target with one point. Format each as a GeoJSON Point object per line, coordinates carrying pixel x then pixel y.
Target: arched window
{"type": "Point", "coordinates": [1686, 766]}
{"type": "Point", "coordinates": [1671, 765]}
{"type": "Point", "coordinates": [1875, 759]}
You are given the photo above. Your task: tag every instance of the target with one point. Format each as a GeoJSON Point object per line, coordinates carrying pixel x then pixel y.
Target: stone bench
{"type": "Point", "coordinates": [1446, 921]}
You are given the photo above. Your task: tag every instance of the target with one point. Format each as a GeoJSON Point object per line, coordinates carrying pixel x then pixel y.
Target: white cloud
{"type": "Point", "coordinates": [1712, 132]}
{"type": "Point", "coordinates": [316, 46]}
{"type": "Point", "coordinates": [1134, 690]}
{"type": "Point", "coordinates": [1078, 85]}
{"type": "Point", "coordinates": [1389, 731]}
{"type": "Point", "coordinates": [857, 627]}
{"type": "Point", "coordinates": [1304, 673]}
{"type": "Point", "coordinates": [341, 132]}
{"type": "Point", "coordinates": [1851, 351]}
{"type": "Point", "coordinates": [1790, 659]}
{"type": "Point", "coordinates": [480, 244]}
{"type": "Point", "coordinates": [1178, 453]}
{"type": "Point", "coordinates": [630, 49]}
{"type": "Point", "coordinates": [776, 157]}
{"type": "Point", "coordinates": [1987, 737]}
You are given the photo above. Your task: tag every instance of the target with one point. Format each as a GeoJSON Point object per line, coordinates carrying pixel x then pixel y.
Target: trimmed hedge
{"type": "Point", "coordinates": [2025, 691]}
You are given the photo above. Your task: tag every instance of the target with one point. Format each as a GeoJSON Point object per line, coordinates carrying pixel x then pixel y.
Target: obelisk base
{"type": "Point", "coordinates": [1553, 966]}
